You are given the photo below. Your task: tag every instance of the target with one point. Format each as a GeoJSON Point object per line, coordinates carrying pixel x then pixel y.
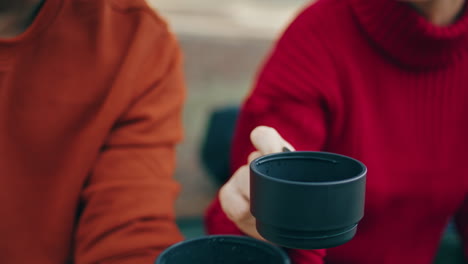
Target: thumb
{"type": "Point", "coordinates": [267, 140]}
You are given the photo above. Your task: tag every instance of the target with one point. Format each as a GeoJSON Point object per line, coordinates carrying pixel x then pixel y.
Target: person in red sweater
{"type": "Point", "coordinates": [385, 82]}
{"type": "Point", "coordinates": [91, 93]}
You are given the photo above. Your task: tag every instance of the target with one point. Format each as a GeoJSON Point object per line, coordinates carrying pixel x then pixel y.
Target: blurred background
{"type": "Point", "coordinates": [224, 44]}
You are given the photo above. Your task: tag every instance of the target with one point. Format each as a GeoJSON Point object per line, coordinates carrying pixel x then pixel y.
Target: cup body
{"type": "Point", "coordinates": [307, 200]}
{"type": "Point", "coordinates": [224, 249]}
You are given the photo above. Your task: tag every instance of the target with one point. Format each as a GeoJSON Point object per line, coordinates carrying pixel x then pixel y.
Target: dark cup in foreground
{"type": "Point", "coordinates": [307, 200]}
{"type": "Point", "coordinates": [223, 249]}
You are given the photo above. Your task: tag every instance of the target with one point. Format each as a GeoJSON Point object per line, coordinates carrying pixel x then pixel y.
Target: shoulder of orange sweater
{"type": "Point", "coordinates": [125, 7]}
{"type": "Point", "coordinates": [126, 14]}
{"type": "Point", "coordinates": [137, 6]}
{"type": "Point", "coordinates": [153, 29]}
{"type": "Point", "coordinates": [131, 37]}
{"type": "Point", "coordinates": [153, 40]}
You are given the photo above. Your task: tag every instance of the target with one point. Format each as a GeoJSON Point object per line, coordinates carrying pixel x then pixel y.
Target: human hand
{"type": "Point", "coordinates": [235, 194]}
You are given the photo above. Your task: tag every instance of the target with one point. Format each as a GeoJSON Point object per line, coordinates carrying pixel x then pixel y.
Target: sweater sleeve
{"type": "Point", "coordinates": [127, 211]}
{"type": "Point", "coordinates": [295, 94]}
{"type": "Point", "coordinates": [461, 220]}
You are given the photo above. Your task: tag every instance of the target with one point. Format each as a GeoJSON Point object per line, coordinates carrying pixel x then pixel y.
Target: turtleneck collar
{"type": "Point", "coordinates": [408, 37]}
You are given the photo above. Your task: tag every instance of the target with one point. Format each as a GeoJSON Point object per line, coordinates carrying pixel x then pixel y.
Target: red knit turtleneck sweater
{"type": "Point", "coordinates": [374, 80]}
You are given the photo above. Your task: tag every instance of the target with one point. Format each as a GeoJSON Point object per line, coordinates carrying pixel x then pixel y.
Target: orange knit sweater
{"type": "Point", "coordinates": [90, 112]}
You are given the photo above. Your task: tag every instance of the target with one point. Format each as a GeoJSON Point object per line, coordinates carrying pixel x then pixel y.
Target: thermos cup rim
{"type": "Point", "coordinates": [254, 166]}
{"type": "Point", "coordinates": [228, 238]}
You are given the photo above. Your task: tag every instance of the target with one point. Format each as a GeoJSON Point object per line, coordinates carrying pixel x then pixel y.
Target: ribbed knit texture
{"type": "Point", "coordinates": [90, 112]}
{"type": "Point", "coordinates": [374, 80]}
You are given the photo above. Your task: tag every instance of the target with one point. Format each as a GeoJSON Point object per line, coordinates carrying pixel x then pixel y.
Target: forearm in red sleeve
{"type": "Point", "coordinates": [296, 93]}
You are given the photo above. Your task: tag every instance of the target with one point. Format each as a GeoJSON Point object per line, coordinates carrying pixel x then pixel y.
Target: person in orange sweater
{"type": "Point", "coordinates": [91, 93]}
